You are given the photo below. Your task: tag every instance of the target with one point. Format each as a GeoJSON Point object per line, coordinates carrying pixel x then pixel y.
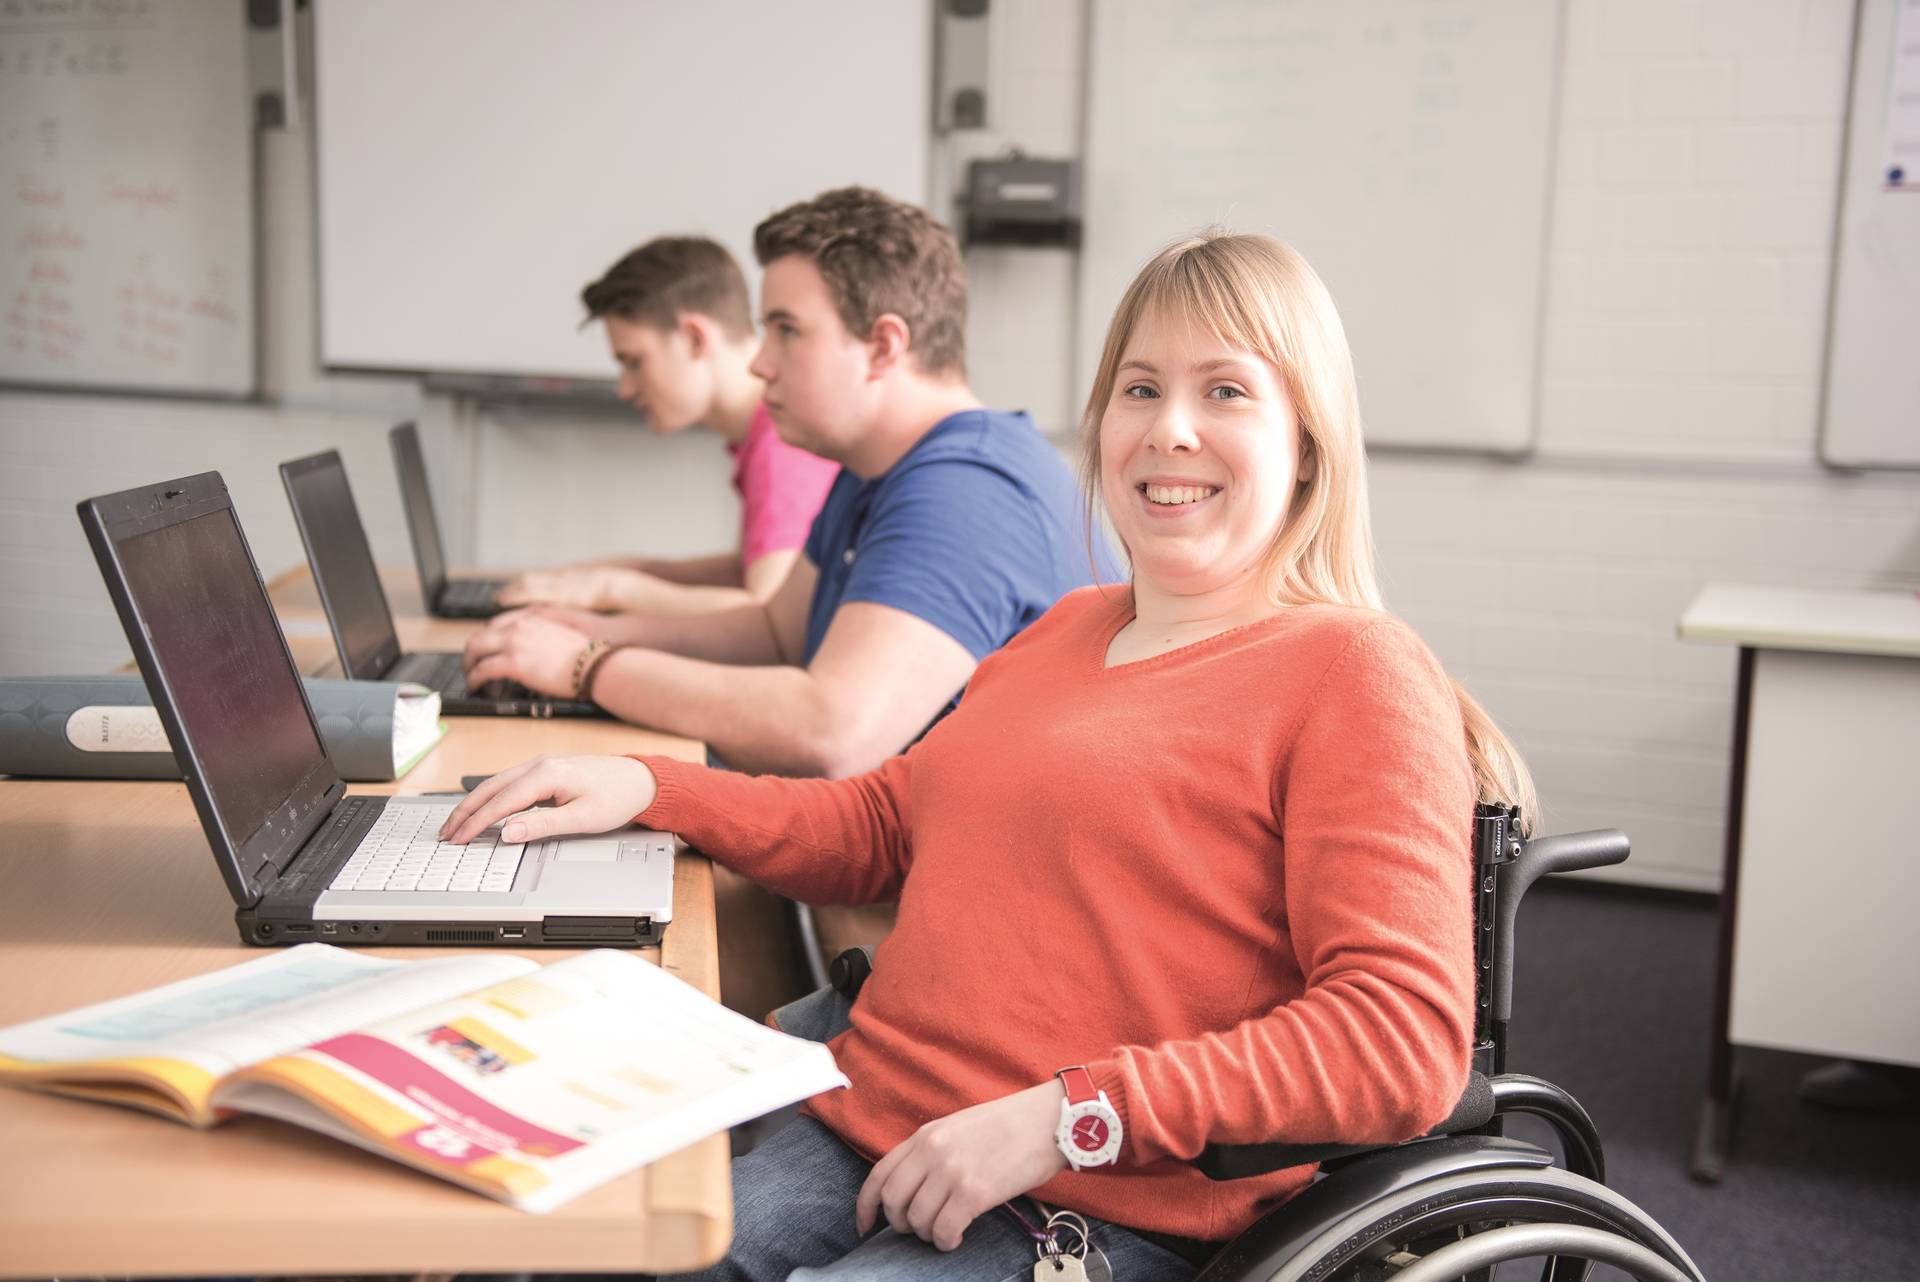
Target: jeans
{"type": "Point", "coordinates": [793, 1199]}
{"type": "Point", "coordinates": [793, 1202]}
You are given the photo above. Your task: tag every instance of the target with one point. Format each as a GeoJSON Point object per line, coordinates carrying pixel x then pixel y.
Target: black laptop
{"type": "Point", "coordinates": [302, 859]}
{"type": "Point", "coordinates": [448, 598]}
{"type": "Point", "coordinates": [356, 604]}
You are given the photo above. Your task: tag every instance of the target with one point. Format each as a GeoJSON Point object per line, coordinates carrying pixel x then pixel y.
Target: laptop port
{"type": "Point", "coordinates": [513, 932]}
{"type": "Point", "coordinates": [297, 928]}
{"type": "Point", "coordinates": [329, 927]}
{"type": "Point", "coordinates": [590, 930]}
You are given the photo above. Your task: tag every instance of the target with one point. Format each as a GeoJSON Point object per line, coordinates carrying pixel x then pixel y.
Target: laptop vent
{"type": "Point", "coordinates": [459, 936]}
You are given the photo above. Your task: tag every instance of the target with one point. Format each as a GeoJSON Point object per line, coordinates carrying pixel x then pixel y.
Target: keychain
{"type": "Point", "coordinates": [1080, 1260]}
{"type": "Point", "coordinates": [1055, 1265]}
{"type": "Point", "coordinates": [1092, 1258]}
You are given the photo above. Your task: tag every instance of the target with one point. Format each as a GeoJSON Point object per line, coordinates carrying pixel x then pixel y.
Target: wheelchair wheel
{"type": "Point", "coordinates": [1379, 1241]}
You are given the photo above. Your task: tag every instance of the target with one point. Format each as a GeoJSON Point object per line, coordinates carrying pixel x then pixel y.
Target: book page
{"type": "Point", "coordinates": [541, 1087]}
{"type": "Point", "coordinates": [189, 1034]}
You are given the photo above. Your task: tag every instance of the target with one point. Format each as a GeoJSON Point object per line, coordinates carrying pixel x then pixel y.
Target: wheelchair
{"type": "Point", "coordinates": [1462, 1199]}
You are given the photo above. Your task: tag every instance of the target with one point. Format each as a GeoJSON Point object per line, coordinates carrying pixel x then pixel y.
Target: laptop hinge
{"type": "Point", "coordinates": [322, 814]}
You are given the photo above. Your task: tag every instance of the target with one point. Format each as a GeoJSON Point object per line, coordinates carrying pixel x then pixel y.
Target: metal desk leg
{"type": "Point", "coordinates": [1714, 1132]}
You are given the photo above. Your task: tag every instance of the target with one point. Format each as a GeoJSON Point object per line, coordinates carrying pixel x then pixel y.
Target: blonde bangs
{"type": "Point", "coordinates": [1257, 295]}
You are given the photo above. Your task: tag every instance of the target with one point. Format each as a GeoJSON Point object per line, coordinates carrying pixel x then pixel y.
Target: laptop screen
{"type": "Point", "coordinates": [343, 567]}
{"type": "Point", "coordinates": [213, 636]}
{"type": "Point", "coordinates": [418, 500]}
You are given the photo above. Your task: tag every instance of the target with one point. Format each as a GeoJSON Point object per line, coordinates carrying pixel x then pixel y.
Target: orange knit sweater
{"type": "Point", "coordinates": [1233, 880]}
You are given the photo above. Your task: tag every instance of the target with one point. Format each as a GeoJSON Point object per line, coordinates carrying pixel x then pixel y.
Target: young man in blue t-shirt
{"type": "Point", "coordinates": [949, 529]}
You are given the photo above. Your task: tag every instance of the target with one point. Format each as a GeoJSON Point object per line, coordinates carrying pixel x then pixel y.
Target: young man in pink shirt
{"type": "Point", "coordinates": [680, 326]}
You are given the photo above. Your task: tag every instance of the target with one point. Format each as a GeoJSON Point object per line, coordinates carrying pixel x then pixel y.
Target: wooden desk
{"type": "Point", "coordinates": [1817, 949]}
{"type": "Point", "coordinates": [107, 888]}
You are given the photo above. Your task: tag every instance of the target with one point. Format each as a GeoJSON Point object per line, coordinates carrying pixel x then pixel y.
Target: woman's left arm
{"type": "Point", "coordinates": [1375, 799]}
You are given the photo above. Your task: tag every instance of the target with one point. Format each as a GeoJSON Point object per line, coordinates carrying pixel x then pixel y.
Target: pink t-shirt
{"type": "Point", "coordinates": [781, 489]}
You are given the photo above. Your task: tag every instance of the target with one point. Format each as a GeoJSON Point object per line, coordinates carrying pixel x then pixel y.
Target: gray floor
{"type": "Point", "coordinates": [1614, 992]}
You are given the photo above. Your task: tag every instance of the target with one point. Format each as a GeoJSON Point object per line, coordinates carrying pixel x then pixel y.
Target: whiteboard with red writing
{"type": "Point", "coordinates": [126, 196]}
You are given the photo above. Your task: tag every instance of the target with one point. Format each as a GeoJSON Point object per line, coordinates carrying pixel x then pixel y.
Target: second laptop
{"type": "Point", "coordinates": [356, 605]}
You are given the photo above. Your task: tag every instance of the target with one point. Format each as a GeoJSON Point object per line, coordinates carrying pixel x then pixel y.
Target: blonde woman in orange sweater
{"type": "Point", "coordinates": [1190, 863]}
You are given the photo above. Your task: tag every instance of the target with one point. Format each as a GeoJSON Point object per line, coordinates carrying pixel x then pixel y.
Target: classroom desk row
{"type": "Point", "coordinates": [108, 888]}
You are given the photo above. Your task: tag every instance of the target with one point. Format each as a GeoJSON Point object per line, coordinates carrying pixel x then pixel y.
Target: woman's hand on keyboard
{"type": "Point", "coordinates": [589, 794]}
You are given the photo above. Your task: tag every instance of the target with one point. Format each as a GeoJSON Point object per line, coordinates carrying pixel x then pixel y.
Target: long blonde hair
{"type": "Point", "coordinates": [1259, 295]}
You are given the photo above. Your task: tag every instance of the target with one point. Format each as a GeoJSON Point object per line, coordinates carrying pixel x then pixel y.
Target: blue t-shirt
{"type": "Point", "coordinates": [978, 529]}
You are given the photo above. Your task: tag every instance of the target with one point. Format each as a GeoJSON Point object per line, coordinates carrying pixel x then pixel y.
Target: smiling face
{"type": "Point", "coordinates": [819, 381]}
{"type": "Point", "coordinates": [1199, 452]}
{"type": "Point", "coordinates": [660, 374]}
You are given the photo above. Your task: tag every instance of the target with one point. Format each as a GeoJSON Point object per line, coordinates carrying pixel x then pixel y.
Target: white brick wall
{"type": "Point", "coordinates": [56, 450]}
{"type": "Point", "coordinates": [576, 488]}
{"type": "Point", "coordinates": [549, 486]}
{"type": "Point", "coordinates": [1551, 588]}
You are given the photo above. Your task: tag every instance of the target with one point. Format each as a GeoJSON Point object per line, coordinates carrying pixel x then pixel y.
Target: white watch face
{"type": "Point", "coordinates": [1089, 1133]}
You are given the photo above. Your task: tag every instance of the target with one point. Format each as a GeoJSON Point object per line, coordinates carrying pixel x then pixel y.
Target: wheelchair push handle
{"type": "Point", "coordinates": [1573, 851]}
{"type": "Point", "coordinates": [1566, 852]}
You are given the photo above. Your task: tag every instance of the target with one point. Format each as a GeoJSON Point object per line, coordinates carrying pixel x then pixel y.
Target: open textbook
{"type": "Point", "coordinates": [529, 1083]}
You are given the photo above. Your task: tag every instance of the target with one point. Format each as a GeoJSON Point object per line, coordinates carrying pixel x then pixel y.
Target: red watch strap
{"type": "Point", "coordinates": [1078, 1083]}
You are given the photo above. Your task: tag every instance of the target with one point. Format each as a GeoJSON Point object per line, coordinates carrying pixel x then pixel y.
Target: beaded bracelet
{"type": "Point", "coordinates": [585, 688]}
{"type": "Point", "coordinates": [584, 663]}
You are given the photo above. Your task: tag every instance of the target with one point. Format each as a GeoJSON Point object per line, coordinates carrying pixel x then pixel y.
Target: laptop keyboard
{"type": "Point", "coordinates": [444, 672]}
{"type": "Point", "coordinates": [403, 852]}
{"type": "Point", "coordinates": [470, 592]}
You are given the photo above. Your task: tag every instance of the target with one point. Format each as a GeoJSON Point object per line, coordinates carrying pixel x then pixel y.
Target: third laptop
{"type": "Point", "coordinates": [448, 598]}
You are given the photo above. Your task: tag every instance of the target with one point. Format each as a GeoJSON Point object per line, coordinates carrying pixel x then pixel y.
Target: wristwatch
{"type": "Point", "coordinates": [1090, 1131]}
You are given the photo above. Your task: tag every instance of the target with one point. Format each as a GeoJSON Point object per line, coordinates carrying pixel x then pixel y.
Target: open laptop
{"type": "Point", "coordinates": [356, 604]}
{"type": "Point", "coordinates": [303, 860]}
{"type": "Point", "coordinates": [448, 598]}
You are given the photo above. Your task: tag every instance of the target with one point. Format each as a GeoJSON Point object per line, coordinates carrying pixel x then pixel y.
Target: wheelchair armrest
{"type": "Point", "coordinates": [849, 971]}
{"type": "Point", "coordinates": [1238, 1161]}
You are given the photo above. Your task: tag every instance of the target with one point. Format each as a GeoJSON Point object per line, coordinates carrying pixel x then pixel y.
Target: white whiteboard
{"type": "Point", "coordinates": [1403, 146]}
{"type": "Point", "coordinates": [479, 161]}
{"type": "Point", "coordinates": [1872, 413]}
{"type": "Point", "coordinates": [126, 196]}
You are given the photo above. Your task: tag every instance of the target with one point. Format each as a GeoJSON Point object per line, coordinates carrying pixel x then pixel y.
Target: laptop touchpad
{"type": "Point", "coordinates": [577, 850]}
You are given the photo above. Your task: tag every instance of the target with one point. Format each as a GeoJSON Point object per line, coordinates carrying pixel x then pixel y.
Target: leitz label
{"type": "Point", "coordinates": [101, 727]}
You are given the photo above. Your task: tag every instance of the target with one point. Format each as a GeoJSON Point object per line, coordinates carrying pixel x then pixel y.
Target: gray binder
{"type": "Point", "coordinates": [95, 727]}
